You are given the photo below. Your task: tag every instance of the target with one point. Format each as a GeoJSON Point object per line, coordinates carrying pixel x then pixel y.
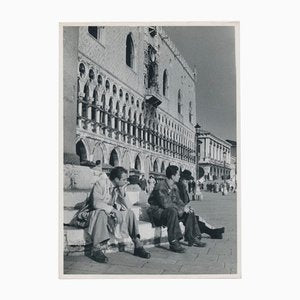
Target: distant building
{"type": "Point", "coordinates": [233, 161]}
{"type": "Point", "coordinates": [134, 102]}
{"type": "Point", "coordinates": [215, 156]}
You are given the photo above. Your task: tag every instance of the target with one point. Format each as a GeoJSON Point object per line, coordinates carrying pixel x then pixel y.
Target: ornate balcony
{"type": "Point", "coordinates": [152, 96]}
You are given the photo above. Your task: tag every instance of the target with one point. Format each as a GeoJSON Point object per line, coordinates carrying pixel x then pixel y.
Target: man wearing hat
{"type": "Point", "coordinates": [182, 184]}
{"type": "Point", "coordinates": [186, 214]}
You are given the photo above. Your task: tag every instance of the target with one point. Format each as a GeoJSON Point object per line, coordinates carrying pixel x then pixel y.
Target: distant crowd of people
{"type": "Point", "coordinates": [217, 187]}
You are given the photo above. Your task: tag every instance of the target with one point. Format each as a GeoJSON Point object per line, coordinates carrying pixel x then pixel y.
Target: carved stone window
{"type": "Point", "coordinates": [81, 70]}
{"type": "Point", "coordinates": [91, 74]}
{"type": "Point", "coordinates": [93, 31]}
{"type": "Point", "coordinates": [152, 31]}
{"type": "Point", "coordinates": [129, 51]}
{"type": "Point", "coordinates": [179, 102]}
{"type": "Point", "coordinates": [107, 85]}
{"type": "Point", "coordinates": [114, 90]}
{"type": "Point", "coordinates": [97, 33]}
{"type": "Point", "coordinates": [190, 112]}
{"type": "Point", "coordinates": [99, 79]}
{"type": "Point", "coordinates": [165, 83]}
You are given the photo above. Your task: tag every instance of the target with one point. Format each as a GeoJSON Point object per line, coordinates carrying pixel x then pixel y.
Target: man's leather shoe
{"type": "Point", "coordinates": [217, 233]}
{"type": "Point", "coordinates": [141, 252]}
{"type": "Point", "coordinates": [176, 247]}
{"type": "Point", "coordinates": [99, 256]}
{"type": "Point", "coordinates": [216, 236]}
{"type": "Point", "coordinates": [220, 230]}
{"type": "Point", "coordinates": [196, 242]}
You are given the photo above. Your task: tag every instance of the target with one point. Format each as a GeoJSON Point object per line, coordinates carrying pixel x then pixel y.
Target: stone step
{"type": "Point", "coordinates": [71, 198]}
{"type": "Point", "coordinates": [77, 236]}
{"type": "Point", "coordinates": [140, 213]}
{"type": "Point", "coordinates": [77, 241]}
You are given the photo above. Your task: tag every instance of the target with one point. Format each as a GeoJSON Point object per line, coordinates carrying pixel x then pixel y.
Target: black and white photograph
{"type": "Point", "coordinates": [150, 150]}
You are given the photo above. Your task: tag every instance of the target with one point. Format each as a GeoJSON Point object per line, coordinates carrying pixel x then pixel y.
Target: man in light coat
{"type": "Point", "coordinates": [111, 214]}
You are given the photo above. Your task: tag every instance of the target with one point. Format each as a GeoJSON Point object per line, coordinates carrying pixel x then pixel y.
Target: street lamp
{"type": "Point", "coordinates": [197, 129]}
{"type": "Point", "coordinates": [224, 188]}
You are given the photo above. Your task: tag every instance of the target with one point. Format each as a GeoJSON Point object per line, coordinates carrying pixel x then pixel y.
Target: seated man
{"type": "Point", "coordinates": [215, 233]}
{"type": "Point", "coordinates": [186, 215]}
{"type": "Point", "coordinates": [164, 211]}
{"type": "Point", "coordinates": [110, 213]}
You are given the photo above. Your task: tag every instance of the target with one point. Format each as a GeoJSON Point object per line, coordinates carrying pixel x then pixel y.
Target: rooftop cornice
{"type": "Point", "coordinates": [165, 38]}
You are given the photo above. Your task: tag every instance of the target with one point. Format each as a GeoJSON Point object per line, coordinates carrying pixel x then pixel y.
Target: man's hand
{"type": "Point", "coordinates": [186, 209]}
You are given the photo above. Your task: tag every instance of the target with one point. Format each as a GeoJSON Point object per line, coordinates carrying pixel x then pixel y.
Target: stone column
{"type": "Point", "coordinates": [89, 115]}
{"type": "Point", "coordinates": [70, 65]}
{"type": "Point", "coordinates": [112, 118]}
{"type": "Point", "coordinates": [97, 120]}
{"type": "Point", "coordinates": [105, 120]}
{"type": "Point", "coordinates": [80, 114]}
{"type": "Point", "coordinates": [215, 151]}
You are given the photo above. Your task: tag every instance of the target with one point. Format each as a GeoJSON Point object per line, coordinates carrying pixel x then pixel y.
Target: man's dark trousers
{"type": "Point", "coordinates": [191, 226]}
{"type": "Point", "coordinates": [168, 217]}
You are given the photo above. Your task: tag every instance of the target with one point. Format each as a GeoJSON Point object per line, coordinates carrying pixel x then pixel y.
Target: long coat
{"type": "Point", "coordinates": [105, 197]}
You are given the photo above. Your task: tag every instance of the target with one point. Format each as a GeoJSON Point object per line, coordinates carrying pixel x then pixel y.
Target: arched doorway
{"type": "Point", "coordinates": [162, 169]}
{"type": "Point", "coordinates": [155, 166]}
{"type": "Point", "coordinates": [137, 163]}
{"type": "Point", "coordinates": [81, 151]}
{"type": "Point", "coordinates": [114, 159]}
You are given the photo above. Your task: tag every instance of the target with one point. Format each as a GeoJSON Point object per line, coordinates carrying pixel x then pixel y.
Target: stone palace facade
{"type": "Point", "coordinates": [129, 99]}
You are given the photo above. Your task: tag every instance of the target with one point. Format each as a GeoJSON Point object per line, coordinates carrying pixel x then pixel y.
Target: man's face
{"type": "Point", "coordinates": [176, 177]}
{"type": "Point", "coordinates": [122, 181]}
{"type": "Point", "coordinates": [185, 182]}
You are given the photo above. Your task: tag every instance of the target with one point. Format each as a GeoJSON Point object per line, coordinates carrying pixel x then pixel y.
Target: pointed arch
{"type": "Point", "coordinates": [114, 158]}
{"type": "Point", "coordinates": [137, 163]}
{"type": "Point", "coordinates": [155, 166]}
{"type": "Point", "coordinates": [162, 168]}
{"type": "Point", "coordinates": [179, 99]}
{"type": "Point", "coordinates": [130, 51]}
{"type": "Point", "coordinates": [82, 150]}
{"type": "Point", "coordinates": [165, 83]}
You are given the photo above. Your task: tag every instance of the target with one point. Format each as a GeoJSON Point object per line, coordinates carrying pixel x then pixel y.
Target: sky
{"type": "Point", "coordinates": [211, 51]}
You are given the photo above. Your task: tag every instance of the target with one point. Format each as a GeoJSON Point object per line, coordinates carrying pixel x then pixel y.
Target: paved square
{"type": "Point", "coordinates": [218, 257]}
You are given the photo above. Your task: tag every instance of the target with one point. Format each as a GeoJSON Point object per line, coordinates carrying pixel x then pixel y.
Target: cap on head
{"type": "Point", "coordinates": [187, 175]}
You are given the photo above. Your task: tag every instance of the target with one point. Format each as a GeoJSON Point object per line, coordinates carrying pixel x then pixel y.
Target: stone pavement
{"type": "Point", "coordinates": [218, 257]}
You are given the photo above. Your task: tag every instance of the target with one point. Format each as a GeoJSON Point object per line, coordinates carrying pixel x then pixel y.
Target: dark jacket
{"type": "Point", "coordinates": [163, 196]}
{"type": "Point", "coordinates": [183, 193]}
